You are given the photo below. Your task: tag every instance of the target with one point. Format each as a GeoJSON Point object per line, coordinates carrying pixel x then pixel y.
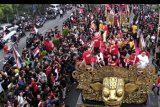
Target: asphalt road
{"type": "Point", "coordinates": [48, 25]}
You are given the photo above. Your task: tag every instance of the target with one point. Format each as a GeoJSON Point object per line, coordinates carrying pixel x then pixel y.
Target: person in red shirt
{"type": "Point", "coordinates": [133, 59]}
{"type": "Point", "coordinates": [45, 42]}
{"type": "Point", "coordinates": [35, 87]}
{"type": "Point", "coordinates": [108, 46]}
{"type": "Point", "coordinates": [115, 61]}
{"type": "Point", "coordinates": [48, 45]}
{"type": "Point", "coordinates": [105, 55]}
{"type": "Point", "coordinates": [97, 41]}
{"type": "Point", "coordinates": [94, 60]}
{"type": "Point", "coordinates": [157, 85]}
{"type": "Point", "coordinates": [127, 61]}
{"type": "Point", "coordinates": [106, 28]}
{"type": "Point", "coordinates": [58, 35]}
{"type": "Point", "coordinates": [114, 48]}
{"type": "Point", "coordinates": [87, 57]}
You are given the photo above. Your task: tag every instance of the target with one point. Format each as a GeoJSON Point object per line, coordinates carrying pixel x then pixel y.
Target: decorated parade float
{"type": "Point", "coordinates": [113, 86]}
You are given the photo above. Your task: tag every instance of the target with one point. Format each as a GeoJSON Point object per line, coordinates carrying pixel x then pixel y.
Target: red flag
{"type": "Point", "coordinates": [17, 58]}
{"type": "Point", "coordinates": [36, 51]}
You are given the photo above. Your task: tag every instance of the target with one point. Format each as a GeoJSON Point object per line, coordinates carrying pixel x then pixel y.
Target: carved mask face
{"type": "Point", "coordinates": [113, 91]}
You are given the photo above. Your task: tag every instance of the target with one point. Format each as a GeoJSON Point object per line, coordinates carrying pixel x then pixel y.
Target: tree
{"type": "Point", "coordinates": [6, 10]}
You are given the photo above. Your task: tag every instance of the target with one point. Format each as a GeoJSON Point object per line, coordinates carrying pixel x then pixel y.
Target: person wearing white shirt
{"type": "Point", "coordinates": [20, 98]}
{"type": "Point", "coordinates": [143, 60]}
{"type": "Point", "coordinates": [43, 77]}
{"type": "Point", "coordinates": [61, 13]}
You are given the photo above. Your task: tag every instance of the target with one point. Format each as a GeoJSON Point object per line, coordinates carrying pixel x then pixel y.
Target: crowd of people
{"type": "Point", "coordinates": [47, 74]}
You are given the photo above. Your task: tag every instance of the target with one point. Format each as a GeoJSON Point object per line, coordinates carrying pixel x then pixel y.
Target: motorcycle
{"type": "Point", "coordinates": [21, 33]}
{"type": "Point", "coordinates": [9, 59]}
{"type": "Point", "coordinates": [29, 42]}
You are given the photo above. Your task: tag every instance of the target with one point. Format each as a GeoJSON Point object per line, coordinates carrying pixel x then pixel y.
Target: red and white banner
{"type": "Point", "coordinates": [17, 58]}
{"type": "Point", "coordinates": [36, 51]}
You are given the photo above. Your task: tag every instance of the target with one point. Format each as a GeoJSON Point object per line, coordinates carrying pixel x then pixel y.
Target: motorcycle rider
{"type": "Point", "coordinates": [15, 39]}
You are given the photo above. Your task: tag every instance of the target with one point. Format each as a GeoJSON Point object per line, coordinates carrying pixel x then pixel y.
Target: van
{"type": "Point", "coordinates": [55, 7]}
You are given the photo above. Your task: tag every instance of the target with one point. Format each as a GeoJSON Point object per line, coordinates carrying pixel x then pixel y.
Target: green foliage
{"type": "Point", "coordinates": [56, 41]}
{"type": "Point", "coordinates": [5, 9]}
{"type": "Point", "coordinates": [6, 12]}
{"type": "Point", "coordinates": [44, 52]}
{"type": "Point", "coordinates": [1, 12]}
{"type": "Point", "coordinates": [66, 31]}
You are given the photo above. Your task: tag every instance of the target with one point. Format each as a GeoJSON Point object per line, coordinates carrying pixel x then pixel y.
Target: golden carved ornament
{"type": "Point", "coordinates": [141, 81]}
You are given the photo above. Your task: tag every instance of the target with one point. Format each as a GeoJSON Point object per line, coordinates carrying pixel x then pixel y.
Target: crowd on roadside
{"type": "Point", "coordinates": [47, 74]}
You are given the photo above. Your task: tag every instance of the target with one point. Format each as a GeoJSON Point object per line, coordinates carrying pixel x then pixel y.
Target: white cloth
{"type": "Point", "coordinates": [143, 61]}
{"type": "Point", "coordinates": [143, 42]}
{"type": "Point", "coordinates": [104, 36]}
{"type": "Point", "coordinates": [1, 88]}
{"type": "Point", "coordinates": [153, 38]}
{"type": "Point", "coordinates": [99, 58]}
{"type": "Point", "coordinates": [43, 77]}
{"type": "Point", "coordinates": [20, 99]}
{"type": "Point", "coordinates": [61, 12]}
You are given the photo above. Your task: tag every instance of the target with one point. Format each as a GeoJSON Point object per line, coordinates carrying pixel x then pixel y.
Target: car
{"type": "Point", "coordinates": [8, 26]}
{"type": "Point", "coordinates": [3, 27]}
{"type": "Point", "coordinates": [12, 27]}
{"type": "Point", "coordinates": [55, 7]}
{"type": "Point", "coordinates": [40, 22]}
{"type": "Point", "coordinates": [6, 38]}
{"type": "Point", "coordinates": [51, 14]}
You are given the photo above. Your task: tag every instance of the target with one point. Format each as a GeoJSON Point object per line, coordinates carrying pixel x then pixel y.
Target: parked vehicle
{"type": "Point", "coordinates": [22, 33]}
{"type": "Point", "coordinates": [6, 38]}
{"type": "Point", "coordinates": [40, 22]}
{"type": "Point", "coordinates": [12, 27]}
{"type": "Point", "coordinates": [55, 7]}
{"type": "Point", "coordinates": [51, 14]}
{"type": "Point", "coordinates": [8, 26]}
